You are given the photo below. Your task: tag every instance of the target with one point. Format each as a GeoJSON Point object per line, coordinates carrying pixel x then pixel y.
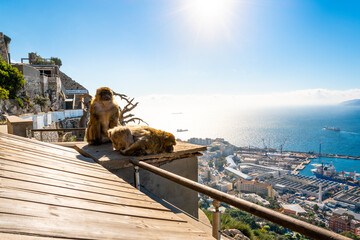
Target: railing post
{"type": "Point", "coordinates": [28, 133]}
{"type": "Point", "coordinates": [216, 220]}
{"type": "Point", "coordinates": [136, 177]}
{"type": "Point", "coordinates": [41, 136]}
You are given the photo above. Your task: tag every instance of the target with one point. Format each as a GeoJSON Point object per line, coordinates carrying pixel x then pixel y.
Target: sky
{"type": "Point", "coordinates": [269, 51]}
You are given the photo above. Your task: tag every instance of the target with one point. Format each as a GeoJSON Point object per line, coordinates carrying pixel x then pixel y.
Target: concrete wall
{"type": "Point", "coordinates": [182, 197]}
{"type": "Point", "coordinates": [44, 85]}
{"type": "Point", "coordinates": [54, 85]}
{"type": "Point", "coordinates": [43, 119]}
{"type": "Point", "coordinates": [33, 85]}
{"type": "Point", "coordinates": [18, 126]}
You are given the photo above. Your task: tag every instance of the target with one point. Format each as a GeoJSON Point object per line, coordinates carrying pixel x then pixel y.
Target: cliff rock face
{"type": "Point", "coordinates": [70, 84]}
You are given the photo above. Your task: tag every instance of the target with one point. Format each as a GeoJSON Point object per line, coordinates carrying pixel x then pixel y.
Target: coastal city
{"type": "Point", "coordinates": [272, 178]}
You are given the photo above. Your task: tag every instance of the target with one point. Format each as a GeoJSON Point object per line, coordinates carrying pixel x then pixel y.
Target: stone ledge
{"type": "Point", "coordinates": [17, 120]}
{"type": "Point", "coordinates": [109, 158]}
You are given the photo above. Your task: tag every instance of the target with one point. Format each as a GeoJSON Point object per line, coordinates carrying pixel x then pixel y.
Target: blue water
{"type": "Point", "coordinates": [298, 129]}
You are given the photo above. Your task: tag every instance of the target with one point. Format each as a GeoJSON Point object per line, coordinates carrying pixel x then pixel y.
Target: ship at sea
{"type": "Point", "coordinates": [336, 129]}
{"type": "Point", "coordinates": [328, 172]}
{"type": "Point", "coordinates": [182, 130]}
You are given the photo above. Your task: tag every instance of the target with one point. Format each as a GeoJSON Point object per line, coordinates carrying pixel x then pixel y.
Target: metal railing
{"type": "Point", "coordinates": [30, 132]}
{"type": "Point", "coordinates": [257, 210]}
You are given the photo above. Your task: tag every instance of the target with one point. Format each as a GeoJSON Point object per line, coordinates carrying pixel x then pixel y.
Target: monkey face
{"type": "Point", "coordinates": [120, 137]}
{"type": "Point", "coordinates": [105, 94]}
{"type": "Point", "coordinates": [169, 143]}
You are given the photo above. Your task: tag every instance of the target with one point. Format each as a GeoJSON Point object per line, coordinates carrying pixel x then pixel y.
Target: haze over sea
{"type": "Point", "coordinates": [301, 128]}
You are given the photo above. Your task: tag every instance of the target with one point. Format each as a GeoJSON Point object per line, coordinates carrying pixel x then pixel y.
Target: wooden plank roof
{"type": "Point", "coordinates": [49, 191]}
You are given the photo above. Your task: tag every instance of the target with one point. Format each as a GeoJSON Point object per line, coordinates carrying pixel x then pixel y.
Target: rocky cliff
{"type": "Point", "coordinates": [69, 83]}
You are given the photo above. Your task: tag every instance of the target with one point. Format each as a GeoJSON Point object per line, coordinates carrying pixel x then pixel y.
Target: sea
{"type": "Point", "coordinates": [295, 128]}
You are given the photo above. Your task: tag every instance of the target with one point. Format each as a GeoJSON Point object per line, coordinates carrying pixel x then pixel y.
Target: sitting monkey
{"type": "Point", "coordinates": [141, 140]}
{"type": "Point", "coordinates": [104, 114]}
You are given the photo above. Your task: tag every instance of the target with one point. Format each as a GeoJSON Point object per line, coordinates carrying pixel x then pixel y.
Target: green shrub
{"type": "Point", "coordinates": [25, 99]}
{"type": "Point", "coordinates": [10, 79]}
{"type": "Point", "coordinates": [38, 60]}
{"type": "Point", "coordinates": [56, 61]}
{"type": "Point", "coordinates": [21, 104]}
{"type": "Point", "coordinates": [40, 100]}
{"type": "Point", "coordinates": [4, 94]}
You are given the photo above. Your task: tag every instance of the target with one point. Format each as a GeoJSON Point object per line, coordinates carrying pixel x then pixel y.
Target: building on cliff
{"type": "Point", "coordinates": [48, 81]}
{"type": "Point", "coordinates": [43, 80]}
{"type": "Point", "coordinates": [4, 47]}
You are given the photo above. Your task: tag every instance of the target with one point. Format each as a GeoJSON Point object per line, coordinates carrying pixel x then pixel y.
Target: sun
{"type": "Point", "coordinates": [209, 17]}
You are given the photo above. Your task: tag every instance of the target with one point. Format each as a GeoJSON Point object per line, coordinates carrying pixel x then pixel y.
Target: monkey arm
{"type": "Point", "coordinates": [93, 132]}
{"type": "Point", "coordinates": [114, 119]}
{"type": "Point", "coordinates": [138, 148]}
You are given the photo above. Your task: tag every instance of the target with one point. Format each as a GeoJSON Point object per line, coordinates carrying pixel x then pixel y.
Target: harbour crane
{"type": "Point", "coordinates": [263, 140]}
{"type": "Point", "coordinates": [281, 145]}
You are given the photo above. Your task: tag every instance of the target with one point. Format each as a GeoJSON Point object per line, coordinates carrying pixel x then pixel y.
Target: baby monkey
{"type": "Point", "coordinates": [140, 140]}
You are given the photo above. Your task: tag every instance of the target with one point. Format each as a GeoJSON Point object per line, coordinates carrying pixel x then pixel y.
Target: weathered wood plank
{"type": "Point", "coordinates": [122, 200]}
{"type": "Point", "coordinates": [89, 205]}
{"type": "Point", "coordinates": [46, 147]}
{"type": "Point", "coordinates": [109, 158]}
{"type": "Point", "coordinates": [72, 229]}
{"type": "Point", "coordinates": [14, 236]}
{"type": "Point", "coordinates": [55, 156]}
{"type": "Point", "coordinates": [68, 178]}
{"type": "Point", "coordinates": [71, 185]}
{"type": "Point", "coordinates": [48, 163]}
{"type": "Point", "coordinates": [33, 141]}
{"type": "Point", "coordinates": [19, 207]}
{"type": "Point", "coordinates": [93, 181]}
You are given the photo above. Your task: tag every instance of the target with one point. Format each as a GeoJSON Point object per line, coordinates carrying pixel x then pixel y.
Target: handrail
{"type": "Point", "coordinates": [30, 132]}
{"type": "Point", "coordinates": [57, 129]}
{"type": "Point", "coordinates": [262, 212]}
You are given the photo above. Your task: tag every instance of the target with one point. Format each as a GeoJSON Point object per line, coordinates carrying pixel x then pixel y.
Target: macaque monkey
{"type": "Point", "coordinates": [140, 140]}
{"type": "Point", "coordinates": [104, 114]}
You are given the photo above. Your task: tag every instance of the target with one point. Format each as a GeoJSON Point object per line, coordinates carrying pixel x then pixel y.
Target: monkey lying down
{"type": "Point", "coordinates": [140, 140]}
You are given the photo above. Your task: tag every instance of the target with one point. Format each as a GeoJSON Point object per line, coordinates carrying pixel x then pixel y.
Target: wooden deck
{"type": "Point", "coordinates": [49, 191]}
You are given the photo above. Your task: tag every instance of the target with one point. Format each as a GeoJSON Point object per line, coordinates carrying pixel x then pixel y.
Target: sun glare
{"type": "Point", "coordinates": [210, 17]}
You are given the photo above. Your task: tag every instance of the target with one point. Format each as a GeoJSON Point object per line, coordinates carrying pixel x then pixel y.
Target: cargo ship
{"type": "Point", "coordinates": [182, 130]}
{"type": "Point", "coordinates": [328, 172]}
{"type": "Point", "coordinates": [335, 129]}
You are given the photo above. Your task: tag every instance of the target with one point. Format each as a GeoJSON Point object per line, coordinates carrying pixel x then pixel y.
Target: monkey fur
{"type": "Point", "coordinates": [104, 114]}
{"type": "Point", "coordinates": [140, 140]}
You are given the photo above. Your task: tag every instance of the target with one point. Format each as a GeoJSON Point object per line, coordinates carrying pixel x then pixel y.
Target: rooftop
{"type": "Point", "coordinates": [238, 173]}
{"type": "Point", "coordinates": [341, 211]}
{"type": "Point", "coordinates": [294, 207]}
{"type": "Point", "coordinates": [49, 191]}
